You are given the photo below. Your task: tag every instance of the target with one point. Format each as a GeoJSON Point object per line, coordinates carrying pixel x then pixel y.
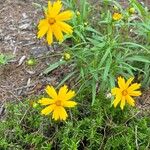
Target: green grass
{"type": "Point", "coordinates": [88, 127]}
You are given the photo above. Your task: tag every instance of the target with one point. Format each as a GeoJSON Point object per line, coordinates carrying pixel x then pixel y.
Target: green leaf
{"type": "Point", "coordinates": [107, 68]}
{"type": "Point", "coordinates": [54, 66]}
{"type": "Point", "coordinates": [93, 30]}
{"type": "Point", "coordinates": [112, 80]}
{"type": "Point", "coordinates": [66, 78]}
{"type": "Point", "coordinates": [82, 72]}
{"type": "Point", "coordinates": [93, 91]}
{"type": "Point", "coordinates": [104, 57]}
{"type": "Point", "coordinates": [130, 44]}
{"type": "Point", "coordinates": [138, 58]}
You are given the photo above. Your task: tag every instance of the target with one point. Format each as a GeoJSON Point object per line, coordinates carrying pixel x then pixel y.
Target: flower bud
{"type": "Point", "coordinates": [132, 10]}
{"type": "Point", "coordinates": [66, 56]}
{"type": "Point", "coordinates": [78, 13]}
{"type": "Point", "coordinates": [30, 62]}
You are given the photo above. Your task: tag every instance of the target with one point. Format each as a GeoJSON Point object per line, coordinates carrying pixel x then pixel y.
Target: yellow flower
{"type": "Point", "coordinates": [125, 92]}
{"type": "Point", "coordinates": [117, 16]}
{"type": "Point", "coordinates": [53, 23]}
{"type": "Point", "coordinates": [56, 103]}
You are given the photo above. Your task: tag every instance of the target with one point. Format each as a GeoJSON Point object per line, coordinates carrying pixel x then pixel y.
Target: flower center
{"type": "Point", "coordinates": [51, 21]}
{"type": "Point", "coordinates": [58, 103]}
{"type": "Point", "coordinates": [124, 92]}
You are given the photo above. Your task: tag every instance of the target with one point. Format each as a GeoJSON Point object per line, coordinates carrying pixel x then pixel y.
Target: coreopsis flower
{"type": "Point", "coordinates": [117, 16]}
{"type": "Point", "coordinates": [125, 91]}
{"type": "Point", "coordinates": [54, 22]}
{"type": "Point", "coordinates": [56, 103]}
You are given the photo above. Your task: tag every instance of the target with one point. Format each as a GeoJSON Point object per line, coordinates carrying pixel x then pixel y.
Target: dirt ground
{"type": "Point", "coordinates": [18, 21]}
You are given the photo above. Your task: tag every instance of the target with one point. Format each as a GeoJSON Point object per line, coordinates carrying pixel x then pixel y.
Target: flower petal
{"type": "Point", "coordinates": [64, 16]}
{"type": "Point", "coordinates": [133, 87]}
{"type": "Point", "coordinates": [49, 6]}
{"type": "Point", "coordinates": [49, 37]}
{"type": "Point", "coordinates": [46, 101]}
{"type": "Point", "coordinates": [69, 104]}
{"type": "Point", "coordinates": [55, 9]}
{"type": "Point", "coordinates": [51, 92]}
{"type": "Point", "coordinates": [57, 32]}
{"type": "Point", "coordinates": [42, 22]}
{"type": "Point", "coordinates": [65, 27]}
{"type": "Point", "coordinates": [43, 28]}
{"type": "Point", "coordinates": [121, 82]}
{"type": "Point", "coordinates": [59, 113]}
{"type": "Point", "coordinates": [48, 110]}
{"type": "Point", "coordinates": [129, 81]}
{"type": "Point", "coordinates": [115, 91]}
{"type": "Point", "coordinates": [130, 100]}
{"type": "Point", "coordinates": [62, 92]}
{"type": "Point", "coordinates": [62, 113]}
{"type": "Point", "coordinates": [117, 100]}
{"type": "Point", "coordinates": [55, 115]}
{"type": "Point", "coordinates": [69, 95]}
{"type": "Point", "coordinates": [122, 104]}
{"type": "Point", "coordinates": [135, 93]}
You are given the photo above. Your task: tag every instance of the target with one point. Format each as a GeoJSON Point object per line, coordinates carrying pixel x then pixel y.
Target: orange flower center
{"type": "Point", "coordinates": [124, 92]}
{"type": "Point", "coordinates": [51, 21]}
{"type": "Point", "coordinates": [58, 103]}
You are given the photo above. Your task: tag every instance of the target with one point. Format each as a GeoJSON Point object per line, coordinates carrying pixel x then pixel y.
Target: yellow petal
{"type": "Point", "coordinates": [51, 92]}
{"type": "Point", "coordinates": [62, 113]}
{"type": "Point", "coordinates": [48, 110]}
{"type": "Point", "coordinates": [69, 95]}
{"type": "Point", "coordinates": [115, 91]}
{"type": "Point", "coordinates": [122, 104]}
{"type": "Point", "coordinates": [57, 32]}
{"type": "Point", "coordinates": [49, 6]}
{"type": "Point", "coordinates": [42, 22]}
{"type": "Point", "coordinates": [59, 113]}
{"type": "Point", "coordinates": [135, 93]}
{"type": "Point", "coordinates": [65, 27]}
{"type": "Point", "coordinates": [55, 9]}
{"type": "Point", "coordinates": [43, 30]}
{"type": "Point", "coordinates": [130, 100]}
{"type": "Point", "coordinates": [49, 37]}
{"type": "Point", "coordinates": [56, 113]}
{"type": "Point", "coordinates": [62, 92]}
{"type": "Point", "coordinates": [133, 87]}
{"type": "Point", "coordinates": [69, 104]}
{"type": "Point", "coordinates": [129, 81]}
{"type": "Point", "coordinates": [46, 101]}
{"type": "Point", "coordinates": [64, 16]}
{"type": "Point", "coordinates": [121, 82]}
{"type": "Point", "coordinates": [117, 100]}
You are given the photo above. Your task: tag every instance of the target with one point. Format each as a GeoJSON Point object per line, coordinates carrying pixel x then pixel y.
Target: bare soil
{"type": "Point", "coordinates": [18, 21]}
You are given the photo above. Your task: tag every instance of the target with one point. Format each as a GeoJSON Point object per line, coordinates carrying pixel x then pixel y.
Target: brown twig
{"type": "Point", "coordinates": [103, 138]}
